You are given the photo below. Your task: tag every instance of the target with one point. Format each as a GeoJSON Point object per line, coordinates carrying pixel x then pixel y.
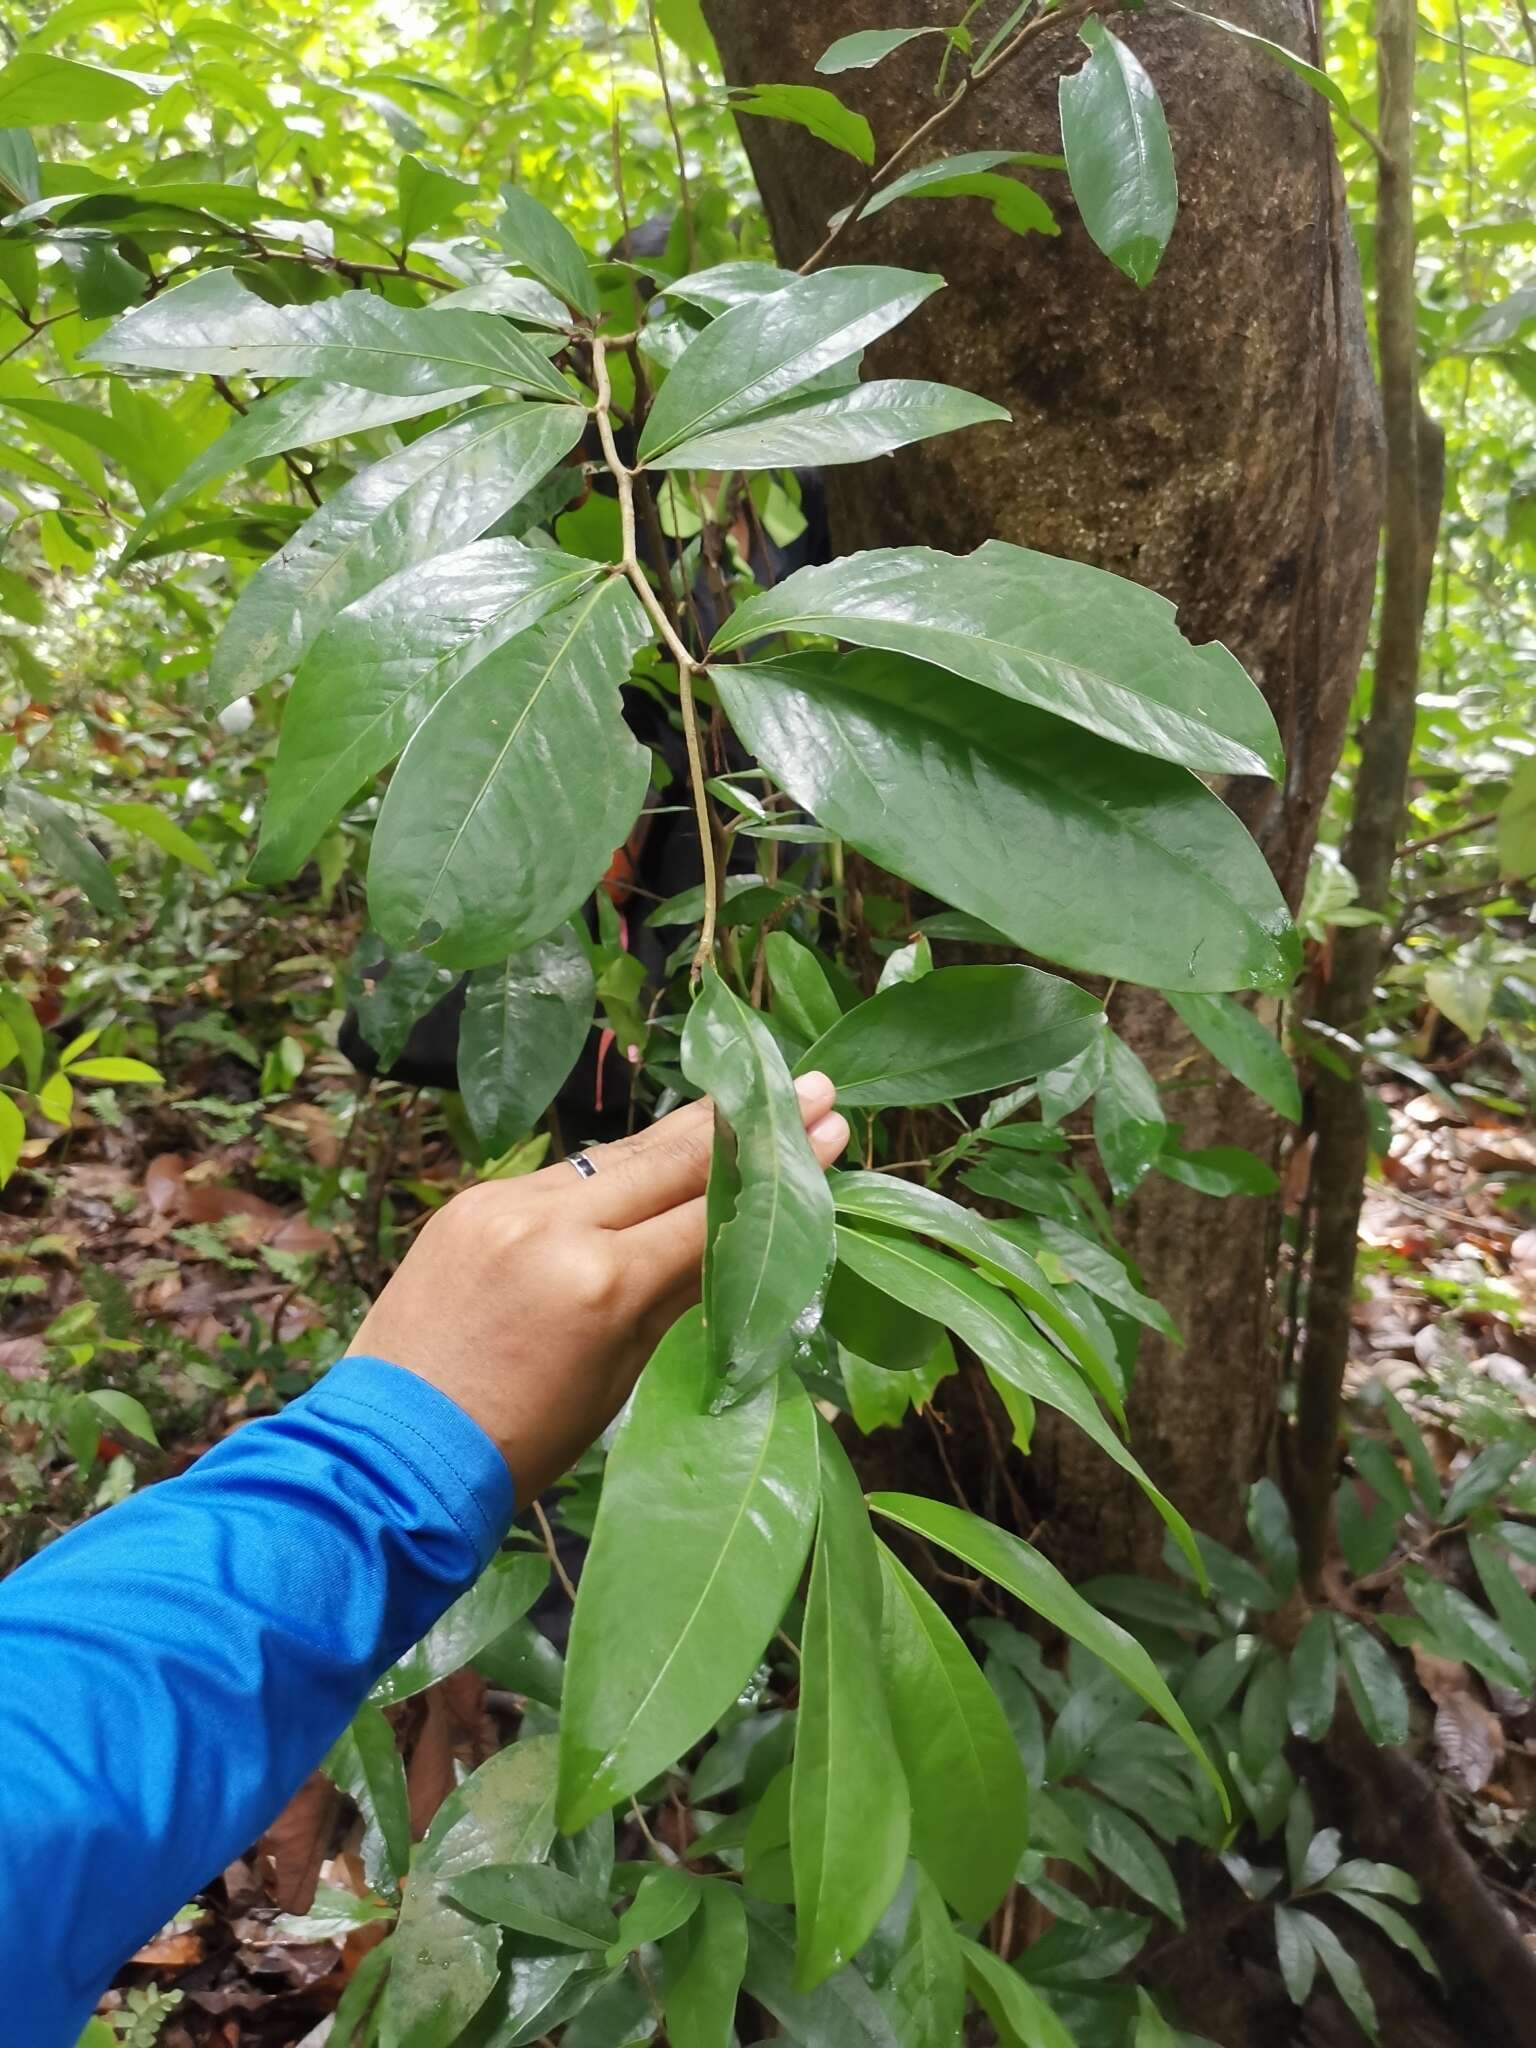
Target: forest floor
{"type": "Point", "coordinates": [139, 1254]}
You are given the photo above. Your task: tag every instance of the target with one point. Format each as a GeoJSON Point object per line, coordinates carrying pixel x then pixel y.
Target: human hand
{"type": "Point", "coordinates": [534, 1303]}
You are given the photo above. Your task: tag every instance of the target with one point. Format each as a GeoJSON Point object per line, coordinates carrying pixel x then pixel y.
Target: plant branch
{"type": "Point", "coordinates": [687, 667]}
{"type": "Point", "coordinates": [1452, 832]}
{"type": "Point", "coordinates": [685, 197]}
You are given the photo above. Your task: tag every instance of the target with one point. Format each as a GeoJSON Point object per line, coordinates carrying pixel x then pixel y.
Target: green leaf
{"type": "Point", "coordinates": [1391, 1923]}
{"type": "Point", "coordinates": [1517, 817]}
{"type": "Point", "coordinates": [148, 821]}
{"type": "Point", "coordinates": [212, 325]}
{"type": "Point", "coordinates": [1298, 1958]}
{"type": "Point", "coordinates": [366, 1764]}
{"type": "Point", "coordinates": [524, 768]}
{"type": "Point", "coordinates": [63, 846]}
{"type": "Point", "coordinates": [926, 1987]}
{"type": "Point", "coordinates": [1483, 1479]}
{"type": "Point", "coordinates": [664, 1900]}
{"type": "Point", "coordinates": [1069, 1086]}
{"type": "Point", "coordinates": [427, 197]}
{"type": "Point", "coordinates": [759, 351]}
{"type": "Point", "coordinates": [973, 175]}
{"type": "Point", "coordinates": [1236, 1040]}
{"type": "Point", "coordinates": [1507, 1597]}
{"type": "Point", "coordinates": [849, 1815]}
{"type": "Point", "coordinates": [1269, 1524]}
{"type": "Point", "coordinates": [1416, 1451]}
{"type": "Point", "coordinates": [21, 1019]}
{"type": "Point", "coordinates": [1461, 1629]}
{"type": "Point", "coordinates": [704, 1963]}
{"type": "Point", "coordinates": [1125, 1849]}
{"type": "Point", "coordinates": [1314, 1679]}
{"type": "Point", "coordinates": [1359, 1876]}
{"type": "Point", "coordinates": [1318, 80]}
{"type": "Point", "coordinates": [1379, 1696]}
{"type": "Point", "coordinates": [1135, 868]}
{"type": "Point", "coordinates": [1219, 1170]}
{"type": "Point", "coordinates": [1152, 2030]}
{"type": "Point", "coordinates": [814, 108]}
{"type": "Point", "coordinates": [683, 21]}
{"type": "Point", "coordinates": [1022, 1571]}
{"type": "Point", "coordinates": [869, 46]}
{"type": "Point", "coordinates": [1343, 1969]}
{"type": "Point", "coordinates": [1020, 2014]}
{"type": "Point", "coordinates": [836, 426]}
{"type": "Point", "coordinates": [539, 243]}
{"type": "Point", "coordinates": [445, 1960]}
{"type": "Point", "coordinates": [1501, 323]}
{"type": "Point", "coordinates": [525, 1023]}
{"type": "Point", "coordinates": [701, 1534]}
{"type": "Point", "coordinates": [1119, 158]}
{"type": "Point", "coordinates": [1152, 1601]}
{"type": "Point", "coordinates": [773, 1249]}
{"type": "Point", "coordinates": [537, 1900]}
{"type": "Point", "coordinates": [1217, 1678]}
{"type": "Point", "coordinates": [874, 1328]}
{"type": "Point", "coordinates": [802, 994]}
{"type": "Point", "coordinates": [117, 1070]}
{"type": "Point", "coordinates": [956, 1031]}
{"type": "Point", "coordinates": [303, 415]}
{"type": "Point", "coordinates": [1128, 1122]}
{"type": "Point", "coordinates": [377, 670]}
{"type": "Point", "coordinates": [122, 1411]}
{"type": "Point", "coordinates": [433, 496]}
{"type": "Point", "coordinates": [970, 1811]}
{"type": "Point", "coordinates": [841, 2013]}
{"type": "Point", "coordinates": [503, 1594]}
{"type": "Point", "coordinates": [38, 90]}
{"type": "Point", "coordinates": [1061, 636]}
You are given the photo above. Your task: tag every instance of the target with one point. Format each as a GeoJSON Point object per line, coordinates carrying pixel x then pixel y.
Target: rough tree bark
{"type": "Point", "coordinates": [1215, 437]}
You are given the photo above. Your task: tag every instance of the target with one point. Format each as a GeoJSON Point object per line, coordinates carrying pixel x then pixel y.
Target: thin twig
{"type": "Point", "coordinates": [1453, 832]}
{"type": "Point", "coordinates": [553, 1554]}
{"type": "Point", "coordinates": [687, 667]}
{"type": "Point", "coordinates": [685, 197]}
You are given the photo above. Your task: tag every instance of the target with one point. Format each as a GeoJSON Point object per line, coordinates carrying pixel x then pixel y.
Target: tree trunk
{"type": "Point", "coordinates": [1215, 437]}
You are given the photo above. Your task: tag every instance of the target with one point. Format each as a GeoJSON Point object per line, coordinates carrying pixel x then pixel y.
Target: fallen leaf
{"type": "Point", "coordinates": [1469, 1741]}
{"type": "Point", "coordinates": [298, 1842]}
{"type": "Point", "coordinates": [170, 1952]}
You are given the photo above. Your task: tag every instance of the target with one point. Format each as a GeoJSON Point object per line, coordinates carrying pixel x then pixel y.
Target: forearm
{"type": "Point", "coordinates": [175, 1668]}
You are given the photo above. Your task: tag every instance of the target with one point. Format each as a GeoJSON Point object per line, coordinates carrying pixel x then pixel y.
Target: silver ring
{"type": "Point", "coordinates": [584, 1164]}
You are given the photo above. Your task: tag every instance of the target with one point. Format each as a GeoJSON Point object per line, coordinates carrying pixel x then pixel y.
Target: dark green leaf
{"type": "Point", "coordinates": [525, 1023]}
{"type": "Point", "coordinates": [1119, 157]}
{"type": "Point", "coordinates": [758, 352]}
{"type": "Point", "coordinates": [1128, 1123]}
{"type": "Point", "coordinates": [1406, 1430]}
{"type": "Point", "coordinates": [366, 1764]}
{"type": "Point", "coordinates": [377, 670]}
{"type": "Point", "coordinates": [1217, 1678]}
{"type": "Point", "coordinates": [540, 243]}
{"type": "Point", "coordinates": [432, 497]}
{"type": "Point", "coordinates": [868, 46]}
{"type": "Point", "coordinates": [63, 845]}
{"type": "Point", "coordinates": [1135, 868]}
{"type": "Point", "coordinates": [836, 426]}
{"type": "Point", "coordinates": [875, 1328]}
{"type": "Point", "coordinates": [802, 994]}
{"type": "Point", "coordinates": [1269, 1524]}
{"type": "Point", "coordinates": [926, 1987]}
{"type": "Point", "coordinates": [536, 1900]}
{"type": "Point", "coordinates": [1318, 80]}
{"type": "Point", "coordinates": [970, 1822]}
{"type": "Point", "coordinates": [1018, 2012]}
{"type": "Point", "coordinates": [1126, 1850]}
{"type": "Point", "coordinates": [814, 108]}
{"type": "Point", "coordinates": [849, 1816]}
{"type": "Point", "coordinates": [973, 175]}
{"type": "Point", "coordinates": [1461, 1629]}
{"type": "Point", "coordinates": [1070, 1086]}
{"type": "Point", "coordinates": [1236, 1040]}
{"type": "Point", "coordinates": [701, 1534]}
{"type": "Point", "coordinates": [704, 1966]}
{"type": "Point", "coordinates": [1357, 1876]}
{"type": "Point", "coordinates": [1219, 1170]}
{"type": "Point", "coordinates": [503, 1593]}
{"type": "Point", "coordinates": [525, 769]}
{"type": "Point", "coordinates": [1343, 1969]}
{"type": "Point", "coordinates": [214, 325]}
{"type": "Point", "coordinates": [1379, 1696]}
{"type": "Point", "coordinates": [1152, 1601]}
{"type": "Point", "coordinates": [1298, 1958]}
{"type": "Point", "coordinates": [1061, 636]}
{"type": "Point", "coordinates": [1014, 1565]}
{"type": "Point", "coordinates": [841, 2013]}
{"type": "Point", "coordinates": [774, 1248]}
{"type": "Point", "coordinates": [1508, 1598]}
{"type": "Point", "coordinates": [664, 1900]}
{"type": "Point", "coordinates": [1314, 1679]}
{"type": "Point", "coordinates": [1389, 1920]}
{"type": "Point", "coordinates": [1483, 1479]}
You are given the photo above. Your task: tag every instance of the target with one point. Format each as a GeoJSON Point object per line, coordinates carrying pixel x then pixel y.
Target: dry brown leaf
{"type": "Point", "coordinates": [22, 1357]}
{"type": "Point", "coordinates": [1441, 1677]}
{"type": "Point", "coordinates": [1469, 1741]}
{"type": "Point", "coordinates": [321, 1138]}
{"type": "Point", "coordinates": [429, 1775]}
{"type": "Point", "coordinates": [170, 1952]}
{"type": "Point", "coordinates": [298, 1842]}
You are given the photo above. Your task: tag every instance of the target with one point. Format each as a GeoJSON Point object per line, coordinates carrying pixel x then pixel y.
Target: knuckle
{"type": "Point", "coordinates": [592, 1277]}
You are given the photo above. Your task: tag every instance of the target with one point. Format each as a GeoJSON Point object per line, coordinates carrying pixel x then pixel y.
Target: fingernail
{"type": "Point", "coordinates": [830, 1133]}
{"type": "Point", "coordinates": [812, 1087]}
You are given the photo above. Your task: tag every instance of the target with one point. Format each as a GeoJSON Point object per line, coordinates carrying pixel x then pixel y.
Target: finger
{"type": "Point", "coordinates": [649, 1174]}
{"type": "Point", "coordinates": [665, 1251]}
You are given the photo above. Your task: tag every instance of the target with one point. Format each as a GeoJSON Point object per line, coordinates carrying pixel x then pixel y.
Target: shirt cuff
{"type": "Point", "coordinates": [447, 1450]}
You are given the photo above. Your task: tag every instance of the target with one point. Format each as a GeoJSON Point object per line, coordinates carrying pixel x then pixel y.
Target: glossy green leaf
{"type": "Point", "coordinates": [1319, 81]}
{"type": "Point", "coordinates": [1460, 1628]}
{"type": "Point", "coordinates": [1058, 635]}
{"type": "Point", "coordinates": [1391, 1923]}
{"type": "Point", "coordinates": [121, 1411]}
{"type": "Point", "coordinates": [1022, 1571]}
{"type": "Point", "coordinates": [1298, 1958]}
{"type": "Point", "coordinates": [849, 1815]}
{"type": "Point", "coordinates": [537, 1900]}
{"type": "Point", "coordinates": [1134, 868]}
{"type": "Point", "coordinates": [1360, 1876]}
{"type": "Point", "coordinates": [1314, 1679]}
{"type": "Point", "coordinates": [875, 1328]}
{"type": "Point", "coordinates": [525, 1023]}
{"type": "Point", "coordinates": [148, 821]}
{"type": "Point", "coordinates": [514, 791]}
{"type": "Point", "coordinates": [701, 1534]}
{"type": "Point", "coordinates": [1378, 1693]}
{"type": "Point", "coordinates": [1236, 1040]}
{"type": "Point", "coordinates": [1125, 1849]}
{"type": "Point", "coordinates": [427, 198]}
{"type": "Point", "coordinates": [866, 47]}
{"type": "Point", "coordinates": [20, 1019]}
{"type": "Point", "coordinates": [665, 1899]}
{"type": "Point", "coordinates": [802, 994]}
{"type": "Point", "coordinates": [841, 2013]}
{"type": "Point", "coordinates": [926, 1987]}
{"type": "Point", "coordinates": [538, 242]}
{"type": "Point", "coordinates": [1482, 1479]}
{"type": "Point", "coordinates": [503, 1593]}
{"type": "Point", "coordinates": [366, 1764]}
{"type": "Point", "coordinates": [62, 844]}
{"type": "Point", "coordinates": [116, 1070]}
{"type": "Point", "coordinates": [773, 1249]}
{"type": "Point", "coordinates": [445, 1960]}
{"type": "Point", "coordinates": [1219, 1170]}
{"type": "Point", "coordinates": [759, 351]}
{"type": "Point", "coordinates": [1019, 2013]}
{"type": "Point", "coordinates": [1425, 1479]}
{"type": "Point", "coordinates": [970, 1797]}
{"type": "Point", "coordinates": [704, 1963]}
{"type": "Point", "coordinates": [377, 670]}
{"type": "Point", "coordinates": [435, 495]}
{"type": "Point", "coordinates": [1343, 1969]}
{"type": "Point", "coordinates": [814, 108]}
{"type": "Point", "coordinates": [836, 426]}
{"type": "Point", "coordinates": [38, 89]}
{"type": "Point", "coordinates": [1507, 1597]}
{"type": "Point", "coordinates": [957, 1031]}
{"type": "Point", "coordinates": [1119, 157]}
{"type": "Point", "coordinates": [974, 175]}
{"type": "Point", "coordinates": [1071, 1085]}
{"type": "Point", "coordinates": [1152, 2030]}
{"type": "Point", "coordinates": [214, 325]}
{"type": "Point", "coordinates": [1128, 1122]}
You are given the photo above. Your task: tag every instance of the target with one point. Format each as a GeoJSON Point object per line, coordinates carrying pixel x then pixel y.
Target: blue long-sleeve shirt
{"type": "Point", "coordinates": [172, 1671]}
